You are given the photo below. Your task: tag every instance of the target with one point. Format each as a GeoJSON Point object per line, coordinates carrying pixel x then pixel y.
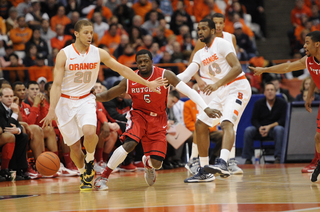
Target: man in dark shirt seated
{"type": "Point", "coordinates": [268, 119]}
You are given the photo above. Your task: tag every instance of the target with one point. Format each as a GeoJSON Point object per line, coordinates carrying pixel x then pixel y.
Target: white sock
{"type": "Point", "coordinates": [81, 170]}
{"type": "Point", "coordinates": [224, 154]}
{"type": "Point", "coordinates": [194, 151]}
{"type": "Point", "coordinates": [232, 152]}
{"type": "Point", "coordinates": [90, 156]}
{"type": "Point", "coordinates": [117, 157]}
{"type": "Point", "coordinates": [204, 161]}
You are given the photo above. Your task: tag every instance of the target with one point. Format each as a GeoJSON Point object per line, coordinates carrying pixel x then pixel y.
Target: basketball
{"type": "Point", "coordinates": [48, 163]}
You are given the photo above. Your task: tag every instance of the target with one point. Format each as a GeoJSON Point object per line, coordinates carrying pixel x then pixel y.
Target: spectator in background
{"type": "Point", "coordinates": [125, 14]}
{"type": "Point", "coordinates": [12, 21]}
{"type": "Point", "coordinates": [141, 8]}
{"type": "Point", "coordinates": [167, 58]}
{"type": "Point", "coordinates": [40, 69]}
{"type": "Point", "coordinates": [315, 16]}
{"type": "Point", "coordinates": [5, 5]}
{"type": "Point", "coordinates": [285, 93]}
{"type": "Point", "coordinates": [187, 6]}
{"type": "Point", "coordinates": [298, 11]}
{"type": "Point", "coordinates": [35, 16]}
{"type": "Point", "coordinates": [112, 4]}
{"type": "Point", "coordinates": [69, 28]}
{"type": "Point", "coordinates": [155, 7]}
{"type": "Point", "coordinates": [147, 42]}
{"type": "Point", "coordinates": [31, 52]}
{"type": "Point", "coordinates": [5, 61]}
{"type": "Point", "coordinates": [99, 26]}
{"type": "Point", "coordinates": [111, 38]}
{"type": "Point", "coordinates": [268, 120]}
{"type": "Point", "coordinates": [137, 22]}
{"type": "Point", "coordinates": [166, 7]}
{"type": "Point", "coordinates": [304, 87]}
{"type": "Point", "coordinates": [2, 47]}
{"type": "Point", "coordinates": [128, 57]}
{"type": "Point", "coordinates": [135, 37]}
{"type": "Point", "coordinates": [159, 37]}
{"type": "Point", "coordinates": [167, 32]}
{"type": "Point", "coordinates": [50, 7]}
{"type": "Point", "coordinates": [177, 55]}
{"type": "Point", "coordinates": [60, 18]}
{"type": "Point", "coordinates": [71, 7]}
{"type": "Point", "coordinates": [60, 40]}
{"type": "Point", "coordinates": [299, 74]}
{"type": "Point", "coordinates": [18, 73]}
{"type": "Point", "coordinates": [47, 34]}
{"type": "Point", "coordinates": [156, 54]}
{"type": "Point", "coordinates": [41, 44]}
{"type": "Point", "coordinates": [151, 24]}
{"type": "Point", "coordinates": [184, 29]}
{"type": "Point", "coordinates": [105, 11]}
{"type": "Point", "coordinates": [180, 17]}
{"type": "Point", "coordinates": [169, 47]}
{"type": "Point", "coordinates": [120, 50]}
{"type": "Point", "coordinates": [202, 8]}
{"type": "Point", "coordinates": [243, 40]}
{"type": "Point", "coordinates": [23, 8]}
{"type": "Point", "coordinates": [20, 35]}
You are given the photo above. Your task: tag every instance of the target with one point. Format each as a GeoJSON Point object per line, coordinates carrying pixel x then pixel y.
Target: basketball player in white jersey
{"type": "Point", "coordinates": [72, 104]}
{"type": "Point", "coordinates": [229, 92]}
{"type": "Point", "coordinates": [193, 164]}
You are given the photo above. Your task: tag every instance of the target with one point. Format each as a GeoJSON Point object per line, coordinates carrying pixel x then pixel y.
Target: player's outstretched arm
{"type": "Point", "coordinates": [189, 72]}
{"type": "Point", "coordinates": [55, 92]}
{"type": "Point", "coordinates": [112, 92]}
{"type": "Point", "coordinates": [281, 68]}
{"type": "Point", "coordinates": [192, 94]}
{"type": "Point", "coordinates": [126, 72]}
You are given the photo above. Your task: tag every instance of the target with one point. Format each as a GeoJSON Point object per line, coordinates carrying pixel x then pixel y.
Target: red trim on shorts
{"type": "Point", "coordinates": [74, 97]}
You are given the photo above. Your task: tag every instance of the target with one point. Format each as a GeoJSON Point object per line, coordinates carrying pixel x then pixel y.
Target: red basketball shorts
{"type": "Point", "coordinates": [150, 130]}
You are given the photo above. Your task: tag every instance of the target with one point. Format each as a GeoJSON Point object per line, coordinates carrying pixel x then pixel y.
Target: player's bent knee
{"type": "Point", "coordinates": [129, 145]}
{"type": "Point", "coordinates": [156, 163]}
{"type": "Point", "coordinates": [225, 125]}
{"type": "Point", "coordinates": [7, 138]}
{"type": "Point", "coordinates": [76, 147]}
{"type": "Point", "coordinates": [317, 137]}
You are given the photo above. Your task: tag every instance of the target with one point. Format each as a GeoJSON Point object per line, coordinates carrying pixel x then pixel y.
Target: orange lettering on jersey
{"type": "Point", "coordinates": [210, 59]}
{"type": "Point", "coordinates": [82, 66]}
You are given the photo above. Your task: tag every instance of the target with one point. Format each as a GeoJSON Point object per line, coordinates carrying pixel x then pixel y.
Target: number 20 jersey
{"type": "Point", "coordinates": [81, 71]}
{"type": "Point", "coordinates": [144, 99]}
{"type": "Point", "coordinates": [212, 60]}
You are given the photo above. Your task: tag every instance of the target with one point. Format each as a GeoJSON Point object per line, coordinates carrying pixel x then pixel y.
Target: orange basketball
{"type": "Point", "coordinates": [48, 163]}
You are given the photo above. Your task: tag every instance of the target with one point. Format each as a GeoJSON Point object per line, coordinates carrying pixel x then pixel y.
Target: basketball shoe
{"type": "Point", "coordinates": [128, 168]}
{"type": "Point", "coordinates": [89, 172]}
{"type": "Point", "coordinates": [193, 165]}
{"type": "Point", "coordinates": [84, 186]}
{"type": "Point", "coordinates": [201, 176]}
{"type": "Point", "coordinates": [32, 173]}
{"type": "Point", "coordinates": [101, 183]}
{"type": "Point", "coordinates": [315, 173]}
{"type": "Point", "coordinates": [220, 167]}
{"type": "Point", "coordinates": [65, 172]}
{"type": "Point", "coordinates": [149, 172]}
{"type": "Point", "coordinates": [233, 167]}
{"type": "Point", "coordinates": [139, 165]}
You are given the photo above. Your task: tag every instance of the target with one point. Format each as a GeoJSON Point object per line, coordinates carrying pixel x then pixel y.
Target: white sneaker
{"type": "Point", "coordinates": [102, 164]}
{"type": "Point", "coordinates": [149, 173]}
{"type": "Point", "coordinates": [99, 170]}
{"type": "Point", "coordinates": [193, 165]}
{"type": "Point", "coordinates": [233, 167]}
{"type": "Point", "coordinates": [65, 172]}
{"type": "Point", "coordinates": [101, 183]}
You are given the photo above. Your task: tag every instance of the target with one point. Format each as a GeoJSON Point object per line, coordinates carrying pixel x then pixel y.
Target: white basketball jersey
{"type": "Point", "coordinates": [227, 36]}
{"type": "Point", "coordinates": [212, 60]}
{"type": "Point", "coordinates": [81, 71]}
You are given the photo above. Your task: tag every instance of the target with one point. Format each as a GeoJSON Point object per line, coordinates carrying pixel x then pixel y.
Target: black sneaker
{"type": "Point", "coordinates": [315, 173]}
{"type": "Point", "coordinates": [84, 186]}
{"type": "Point", "coordinates": [220, 167]}
{"type": "Point", "coordinates": [5, 173]}
{"type": "Point", "coordinates": [201, 176]}
{"type": "Point", "coordinates": [89, 172]}
{"type": "Point", "coordinates": [21, 175]}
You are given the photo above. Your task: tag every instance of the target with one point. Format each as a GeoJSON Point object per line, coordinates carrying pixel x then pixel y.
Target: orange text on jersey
{"type": "Point", "coordinates": [82, 66]}
{"type": "Point", "coordinates": [210, 59]}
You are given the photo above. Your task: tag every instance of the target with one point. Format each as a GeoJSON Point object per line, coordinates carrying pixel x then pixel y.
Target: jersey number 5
{"type": "Point", "coordinates": [146, 98]}
{"type": "Point", "coordinates": [214, 69]}
{"type": "Point", "coordinates": [83, 77]}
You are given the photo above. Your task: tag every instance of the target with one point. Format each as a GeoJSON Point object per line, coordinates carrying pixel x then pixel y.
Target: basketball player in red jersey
{"type": "Point", "coordinates": [75, 74]}
{"type": "Point", "coordinates": [312, 62]}
{"type": "Point", "coordinates": [147, 121]}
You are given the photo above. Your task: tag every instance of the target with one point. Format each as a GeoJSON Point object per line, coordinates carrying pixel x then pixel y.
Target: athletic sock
{"type": "Point", "coordinates": [105, 157]}
{"type": "Point", "coordinates": [7, 152]}
{"type": "Point", "coordinates": [81, 170]}
{"type": "Point", "coordinates": [232, 152]}
{"type": "Point", "coordinates": [204, 161]}
{"type": "Point", "coordinates": [224, 154]}
{"type": "Point", "coordinates": [194, 151]}
{"type": "Point", "coordinates": [98, 154]}
{"type": "Point", "coordinates": [118, 156]}
{"type": "Point", "coordinates": [90, 157]}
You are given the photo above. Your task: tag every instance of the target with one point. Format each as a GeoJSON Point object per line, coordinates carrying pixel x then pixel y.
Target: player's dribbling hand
{"type": "Point", "coordinates": [256, 70]}
{"type": "Point", "coordinates": [213, 113]}
{"type": "Point", "coordinates": [307, 105]}
{"type": "Point", "coordinates": [208, 89]}
{"type": "Point", "coordinates": [153, 85]}
{"type": "Point", "coordinates": [47, 121]}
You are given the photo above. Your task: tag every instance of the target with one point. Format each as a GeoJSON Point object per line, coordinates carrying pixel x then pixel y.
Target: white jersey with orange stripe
{"type": "Point", "coordinates": [212, 60]}
{"type": "Point", "coordinates": [81, 71]}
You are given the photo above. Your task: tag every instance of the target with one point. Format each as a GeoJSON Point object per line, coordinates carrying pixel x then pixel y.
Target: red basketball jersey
{"type": "Point", "coordinates": [314, 69]}
{"type": "Point", "coordinates": [144, 99]}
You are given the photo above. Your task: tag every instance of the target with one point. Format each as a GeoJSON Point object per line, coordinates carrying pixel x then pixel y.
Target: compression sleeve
{"type": "Point", "coordinates": [189, 72]}
{"type": "Point", "coordinates": [192, 94]}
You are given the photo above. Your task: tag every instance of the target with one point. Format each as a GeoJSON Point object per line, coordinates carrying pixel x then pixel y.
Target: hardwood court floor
{"type": "Point", "coordinates": [261, 188]}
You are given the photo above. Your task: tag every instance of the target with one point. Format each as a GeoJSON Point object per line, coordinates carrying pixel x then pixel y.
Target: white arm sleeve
{"type": "Point", "coordinates": [189, 72]}
{"type": "Point", "coordinates": [192, 94]}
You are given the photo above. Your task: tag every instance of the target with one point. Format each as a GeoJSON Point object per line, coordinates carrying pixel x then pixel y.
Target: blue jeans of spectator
{"type": "Point", "coordinates": [252, 133]}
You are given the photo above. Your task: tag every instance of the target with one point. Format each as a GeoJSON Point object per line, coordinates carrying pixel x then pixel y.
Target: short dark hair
{"type": "Point", "coordinates": [3, 81]}
{"type": "Point", "coordinates": [32, 83]}
{"type": "Point", "coordinates": [15, 84]}
{"type": "Point", "coordinates": [174, 93]}
{"type": "Point", "coordinates": [315, 36]}
{"type": "Point", "coordinates": [211, 24]}
{"type": "Point", "coordinates": [15, 55]}
{"type": "Point", "coordinates": [79, 24]}
{"type": "Point", "coordinates": [144, 51]}
{"type": "Point", "coordinates": [218, 15]}
{"type": "Point", "coordinates": [46, 86]}
{"type": "Point", "coordinates": [269, 83]}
